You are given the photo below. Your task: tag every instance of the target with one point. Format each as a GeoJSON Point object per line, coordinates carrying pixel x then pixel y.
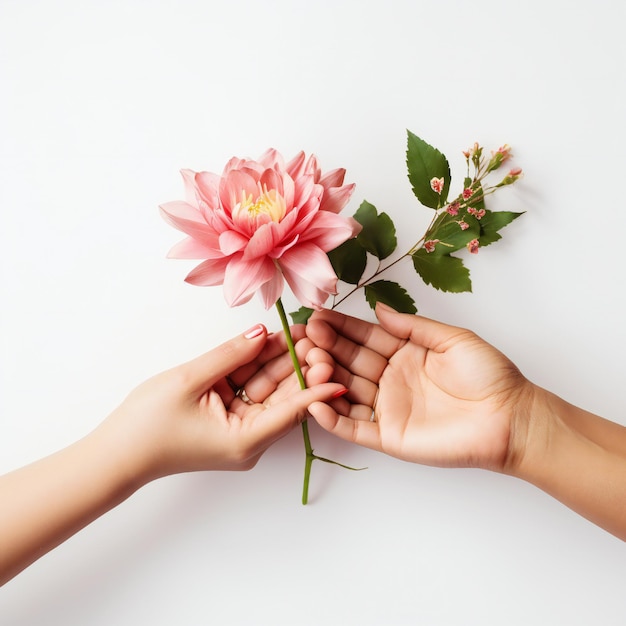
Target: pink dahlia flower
{"type": "Point", "coordinates": [263, 222]}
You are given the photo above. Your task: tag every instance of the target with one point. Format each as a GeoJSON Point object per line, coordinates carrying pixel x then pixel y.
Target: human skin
{"type": "Point", "coordinates": [444, 397]}
{"type": "Point", "coordinates": [182, 420]}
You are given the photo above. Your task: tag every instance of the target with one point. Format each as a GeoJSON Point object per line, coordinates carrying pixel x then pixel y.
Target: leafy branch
{"type": "Point", "coordinates": [464, 222]}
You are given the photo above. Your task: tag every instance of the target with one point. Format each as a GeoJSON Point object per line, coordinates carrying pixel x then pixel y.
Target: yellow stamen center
{"type": "Point", "coordinates": [268, 203]}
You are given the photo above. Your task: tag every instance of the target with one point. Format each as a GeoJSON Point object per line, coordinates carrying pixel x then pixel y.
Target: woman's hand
{"type": "Point", "coordinates": [190, 418]}
{"type": "Point", "coordinates": [440, 395]}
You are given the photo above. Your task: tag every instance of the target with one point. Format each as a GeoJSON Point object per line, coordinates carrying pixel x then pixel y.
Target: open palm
{"type": "Point", "coordinates": [441, 395]}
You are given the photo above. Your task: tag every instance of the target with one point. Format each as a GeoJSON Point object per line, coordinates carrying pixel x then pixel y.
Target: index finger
{"type": "Point", "coordinates": [275, 346]}
{"type": "Point", "coordinates": [371, 336]}
{"type": "Point", "coordinates": [358, 360]}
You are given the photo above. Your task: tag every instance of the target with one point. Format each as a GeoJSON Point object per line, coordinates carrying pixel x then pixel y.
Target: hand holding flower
{"type": "Point", "coordinates": [185, 419]}
{"type": "Point", "coordinates": [189, 418]}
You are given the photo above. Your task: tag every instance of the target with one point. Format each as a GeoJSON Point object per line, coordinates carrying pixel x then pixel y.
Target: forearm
{"type": "Point", "coordinates": [45, 503]}
{"type": "Point", "coordinates": [571, 455]}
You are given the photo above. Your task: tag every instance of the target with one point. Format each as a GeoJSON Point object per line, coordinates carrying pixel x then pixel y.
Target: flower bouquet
{"type": "Point", "coordinates": [265, 222]}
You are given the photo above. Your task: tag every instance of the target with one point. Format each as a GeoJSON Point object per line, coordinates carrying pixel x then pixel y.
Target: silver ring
{"type": "Point", "coordinates": [373, 415]}
{"type": "Point", "coordinates": [241, 393]}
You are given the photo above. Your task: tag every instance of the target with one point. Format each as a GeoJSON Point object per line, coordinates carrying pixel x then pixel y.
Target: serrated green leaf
{"type": "Point", "coordinates": [378, 235]}
{"type": "Point", "coordinates": [442, 271]}
{"type": "Point", "coordinates": [446, 228]}
{"type": "Point", "coordinates": [389, 293]}
{"type": "Point", "coordinates": [425, 163]}
{"type": "Point", "coordinates": [349, 261]}
{"type": "Point", "coordinates": [492, 222]}
{"type": "Point", "coordinates": [301, 316]}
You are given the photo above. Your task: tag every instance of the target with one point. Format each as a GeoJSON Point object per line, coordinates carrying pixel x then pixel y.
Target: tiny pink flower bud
{"type": "Point", "coordinates": [436, 185]}
{"type": "Point", "coordinates": [473, 153]}
{"type": "Point", "coordinates": [472, 246]}
{"type": "Point", "coordinates": [467, 193]}
{"type": "Point", "coordinates": [504, 152]}
{"type": "Point", "coordinates": [463, 224]}
{"type": "Point", "coordinates": [499, 157]}
{"type": "Point", "coordinates": [453, 208]}
{"type": "Point", "coordinates": [511, 177]}
{"type": "Point", "coordinates": [430, 245]}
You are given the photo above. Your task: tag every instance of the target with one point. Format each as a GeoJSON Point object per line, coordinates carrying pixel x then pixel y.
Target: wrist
{"type": "Point", "coordinates": [533, 424]}
{"type": "Point", "coordinates": [127, 467]}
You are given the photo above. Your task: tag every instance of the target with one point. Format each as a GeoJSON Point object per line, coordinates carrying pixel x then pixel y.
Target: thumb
{"type": "Point", "coordinates": [420, 330]}
{"type": "Point", "coordinates": [280, 419]}
{"type": "Point", "coordinates": [204, 371]}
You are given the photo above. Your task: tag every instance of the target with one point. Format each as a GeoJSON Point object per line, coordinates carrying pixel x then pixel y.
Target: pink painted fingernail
{"type": "Point", "coordinates": [341, 392]}
{"type": "Point", "coordinates": [255, 331]}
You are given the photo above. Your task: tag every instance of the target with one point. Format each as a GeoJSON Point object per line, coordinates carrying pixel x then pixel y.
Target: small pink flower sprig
{"type": "Point", "coordinates": [463, 222]}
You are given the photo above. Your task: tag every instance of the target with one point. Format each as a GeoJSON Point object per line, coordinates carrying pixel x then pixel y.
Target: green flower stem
{"type": "Point", "coordinates": [310, 457]}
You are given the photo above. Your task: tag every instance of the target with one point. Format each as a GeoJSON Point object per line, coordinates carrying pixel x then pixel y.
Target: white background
{"type": "Point", "coordinates": [103, 102]}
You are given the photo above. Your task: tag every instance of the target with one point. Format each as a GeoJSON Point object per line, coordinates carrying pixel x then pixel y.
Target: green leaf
{"type": "Point", "coordinates": [492, 222]}
{"type": "Point", "coordinates": [390, 293]}
{"type": "Point", "coordinates": [301, 316]}
{"type": "Point", "coordinates": [448, 231]}
{"type": "Point", "coordinates": [425, 163]}
{"type": "Point", "coordinates": [349, 261]}
{"type": "Point", "coordinates": [378, 235]}
{"type": "Point", "coordinates": [442, 271]}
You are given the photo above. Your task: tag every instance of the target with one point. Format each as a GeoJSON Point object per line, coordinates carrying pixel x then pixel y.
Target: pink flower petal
{"type": "Point", "coordinates": [262, 241]}
{"type": "Point", "coordinates": [278, 251]}
{"type": "Point", "coordinates": [231, 241]}
{"type": "Point", "coordinates": [234, 186]}
{"type": "Point", "coordinates": [304, 188]}
{"type": "Point", "coordinates": [270, 158]}
{"type": "Point", "coordinates": [334, 178]}
{"type": "Point", "coordinates": [309, 274]}
{"type": "Point", "coordinates": [272, 290]}
{"type": "Point", "coordinates": [184, 217]}
{"type": "Point", "coordinates": [221, 221]}
{"type": "Point", "coordinates": [295, 166]}
{"type": "Point", "coordinates": [208, 273]}
{"type": "Point", "coordinates": [191, 248]}
{"type": "Point", "coordinates": [271, 179]}
{"type": "Point", "coordinates": [289, 190]}
{"type": "Point", "coordinates": [307, 294]}
{"type": "Point", "coordinates": [336, 198]}
{"type": "Point", "coordinates": [305, 214]}
{"type": "Point", "coordinates": [243, 278]}
{"type": "Point", "coordinates": [207, 186]}
{"type": "Point", "coordinates": [179, 210]}
{"type": "Point", "coordinates": [312, 168]}
{"type": "Point", "coordinates": [328, 230]}
{"type": "Point", "coordinates": [189, 185]}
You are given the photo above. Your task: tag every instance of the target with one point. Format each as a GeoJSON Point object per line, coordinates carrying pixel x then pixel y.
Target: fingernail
{"type": "Point", "coordinates": [255, 331]}
{"type": "Point", "coordinates": [341, 392]}
{"type": "Point", "coordinates": [384, 307]}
